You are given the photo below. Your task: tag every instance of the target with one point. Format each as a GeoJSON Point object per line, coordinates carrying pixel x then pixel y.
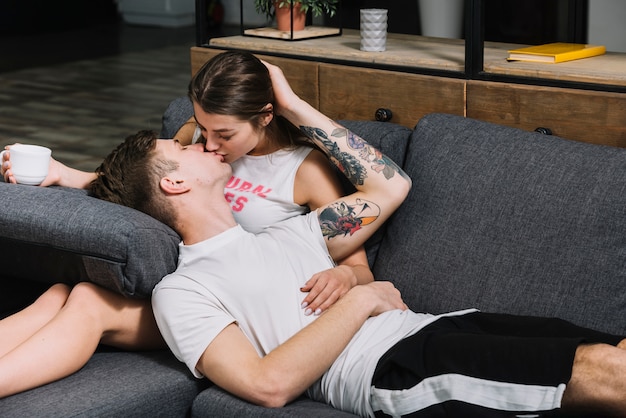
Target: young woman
{"type": "Point", "coordinates": [273, 179]}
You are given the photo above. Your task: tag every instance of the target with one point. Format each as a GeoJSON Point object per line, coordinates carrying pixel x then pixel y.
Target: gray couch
{"type": "Point", "coordinates": [498, 219]}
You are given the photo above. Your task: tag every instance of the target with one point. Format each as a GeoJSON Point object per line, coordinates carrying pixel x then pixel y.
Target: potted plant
{"type": "Point", "coordinates": [280, 8]}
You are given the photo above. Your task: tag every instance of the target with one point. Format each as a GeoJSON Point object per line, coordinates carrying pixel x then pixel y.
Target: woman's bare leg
{"type": "Point", "coordinates": [20, 326]}
{"type": "Point", "coordinates": [129, 323]}
{"type": "Point", "coordinates": [90, 315]}
{"type": "Point", "coordinates": [598, 381]}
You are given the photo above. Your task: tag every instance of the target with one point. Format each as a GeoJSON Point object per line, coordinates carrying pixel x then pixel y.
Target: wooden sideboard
{"type": "Point", "coordinates": [343, 82]}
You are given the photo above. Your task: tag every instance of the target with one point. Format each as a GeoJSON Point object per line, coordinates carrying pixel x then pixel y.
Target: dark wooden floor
{"type": "Point", "coordinates": [88, 97]}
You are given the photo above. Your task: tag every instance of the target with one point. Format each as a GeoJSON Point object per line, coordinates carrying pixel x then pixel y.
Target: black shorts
{"type": "Point", "coordinates": [480, 365]}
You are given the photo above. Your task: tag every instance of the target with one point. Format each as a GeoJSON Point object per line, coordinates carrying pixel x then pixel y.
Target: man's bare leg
{"type": "Point", "coordinates": [598, 381]}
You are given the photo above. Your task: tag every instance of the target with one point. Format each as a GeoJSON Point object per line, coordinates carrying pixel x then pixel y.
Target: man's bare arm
{"type": "Point", "coordinates": [231, 362]}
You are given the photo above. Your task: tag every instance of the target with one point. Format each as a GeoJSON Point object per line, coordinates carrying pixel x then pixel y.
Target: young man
{"type": "Point", "coordinates": [231, 311]}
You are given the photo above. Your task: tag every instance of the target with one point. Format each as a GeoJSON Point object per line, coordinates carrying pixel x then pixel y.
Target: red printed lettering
{"type": "Point", "coordinates": [240, 185]}
{"type": "Point", "coordinates": [236, 204]}
{"type": "Point", "coordinates": [245, 186]}
{"type": "Point", "coordinates": [239, 204]}
{"type": "Point", "coordinates": [233, 182]}
{"type": "Point", "coordinates": [260, 192]}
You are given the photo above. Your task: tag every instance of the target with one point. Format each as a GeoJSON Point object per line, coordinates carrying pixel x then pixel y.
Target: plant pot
{"type": "Point", "coordinates": [283, 17]}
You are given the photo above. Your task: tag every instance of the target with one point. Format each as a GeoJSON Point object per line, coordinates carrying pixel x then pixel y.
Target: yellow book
{"type": "Point", "coordinates": [555, 52]}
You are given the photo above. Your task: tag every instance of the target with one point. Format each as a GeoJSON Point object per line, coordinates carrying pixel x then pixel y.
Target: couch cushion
{"type": "Point", "coordinates": [53, 234]}
{"type": "Point", "coordinates": [512, 221]}
{"type": "Point", "coordinates": [215, 402]}
{"type": "Point", "coordinates": [113, 384]}
{"type": "Point", "coordinates": [178, 112]}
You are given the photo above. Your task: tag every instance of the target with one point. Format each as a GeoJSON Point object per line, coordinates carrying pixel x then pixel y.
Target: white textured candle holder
{"type": "Point", "coordinates": [373, 30]}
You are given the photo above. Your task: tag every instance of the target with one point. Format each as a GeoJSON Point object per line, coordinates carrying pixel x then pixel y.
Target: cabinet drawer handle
{"type": "Point", "coordinates": [383, 115]}
{"type": "Point", "coordinates": [545, 131]}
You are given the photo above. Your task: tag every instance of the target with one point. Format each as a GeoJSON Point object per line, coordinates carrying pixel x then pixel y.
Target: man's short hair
{"type": "Point", "coordinates": [130, 176]}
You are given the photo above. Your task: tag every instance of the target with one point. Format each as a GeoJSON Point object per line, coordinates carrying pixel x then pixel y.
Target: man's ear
{"type": "Point", "coordinates": [171, 186]}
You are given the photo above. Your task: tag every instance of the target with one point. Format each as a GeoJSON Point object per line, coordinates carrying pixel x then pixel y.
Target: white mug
{"type": "Point", "coordinates": [29, 163]}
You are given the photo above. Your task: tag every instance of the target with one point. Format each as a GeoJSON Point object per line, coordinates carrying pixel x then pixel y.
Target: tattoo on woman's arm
{"type": "Point", "coordinates": [349, 165]}
{"type": "Point", "coordinates": [379, 162]}
{"type": "Point", "coordinates": [341, 218]}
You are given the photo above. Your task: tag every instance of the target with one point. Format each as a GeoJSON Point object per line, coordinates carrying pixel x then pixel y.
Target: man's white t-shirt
{"type": "Point", "coordinates": [254, 281]}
